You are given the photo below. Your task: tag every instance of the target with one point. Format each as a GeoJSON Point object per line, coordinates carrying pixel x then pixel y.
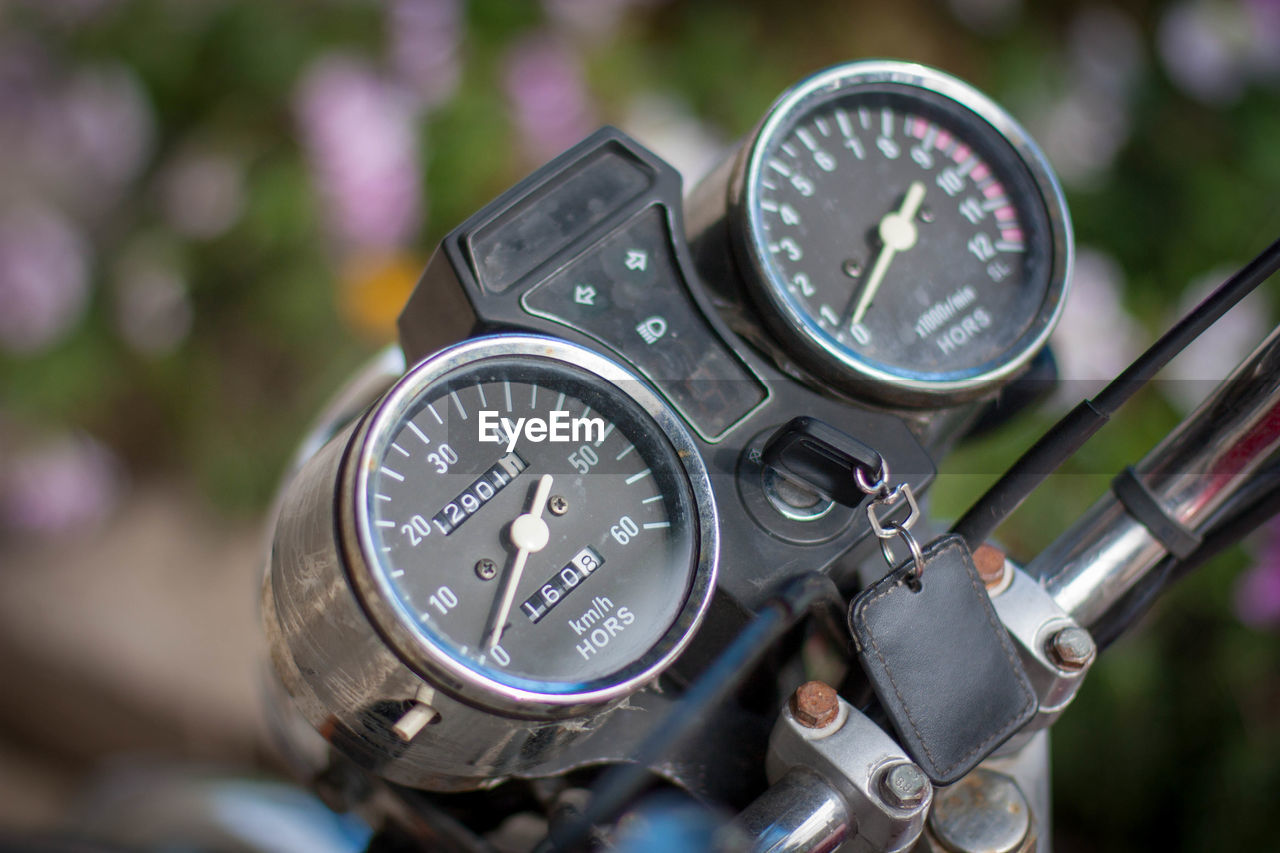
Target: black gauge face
{"type": "Point", "coordinates": [899, 236]}
{"type": "Point", "coordinates": [533, 524]}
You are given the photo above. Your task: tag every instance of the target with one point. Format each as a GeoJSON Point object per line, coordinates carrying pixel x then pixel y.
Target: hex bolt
{"type": "Point", "coordinates": [1071, 648]}
{"type": "Point", "coordinates": [558, 505]}
{"type": "Point", "coordinates": [486, 569]}
{"type": "Point", "coordinates": [815, 704]}
{"type": "Point", "coordinates": [904, 786]}
{"type": "Point", "coordinates": [991, 565]}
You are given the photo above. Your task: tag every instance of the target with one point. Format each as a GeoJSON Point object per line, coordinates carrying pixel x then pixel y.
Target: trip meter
{"type": "Point", "coordinates": [521, 526]}
{"type": "Point", "coordinates": [899, 234]}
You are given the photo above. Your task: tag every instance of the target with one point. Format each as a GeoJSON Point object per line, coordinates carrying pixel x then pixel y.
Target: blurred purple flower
{"type": "Point", "coordinates": [1105, 50]}
{"type": "Point", "coordinates": [100, 129]}
{"type": "Point", "coordinates": [1084, 127]}
{"type": "Point", "coordinates": [1082, 135]}
{"type": "Point", "coordinates": [547, 95]}
{"type": "Point", "coordinates": [202, 193]}
{"type": "Point", "coordinates": [44, 278]}
{"type": "Point", "coordinates": [425, 38]}
{"type": "Point", "coordinates": [360, 137]}
{"type": "Point", "coordinates": [1257, 592]}
{"type": "Point", "coordinates": [64, 486]}
{"type": "Point", "coordinates": [1212, 49]}
{"type": "Point", "coordinates": [597, 19]}
{"type": "Point", "coordinates": [1096, 337]}
{"type": "Point", "coordinates": [1209, 358]}
{"type": "Point", "coordinates": [77, 137]}
{"type": "Point", "coordinates": [152, 307]}
{"type": "Point", "coordinates": [675, 134]}
{"type": "Point", "coordinates": [1264, 22]}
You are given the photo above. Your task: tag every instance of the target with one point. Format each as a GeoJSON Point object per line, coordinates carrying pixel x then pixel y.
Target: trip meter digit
{"type": "Point", "coordinates": [901, 233]}
{"type": "Point", "coordinates": [529, 523]}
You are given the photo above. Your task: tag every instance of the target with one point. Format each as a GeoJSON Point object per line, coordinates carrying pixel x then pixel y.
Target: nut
{"type": "Point", "coordinates": [903, 786]}
{"type": "Point", "coordinates": [815, 704]}
{"type": "Point", "coordinates": [990, 562]}
{"type": "Point", "coordinates": [1071, 648]}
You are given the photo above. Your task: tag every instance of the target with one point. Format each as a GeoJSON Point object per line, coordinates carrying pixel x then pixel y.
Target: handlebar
{"type": "Point", "coordinates": [1170, 495]}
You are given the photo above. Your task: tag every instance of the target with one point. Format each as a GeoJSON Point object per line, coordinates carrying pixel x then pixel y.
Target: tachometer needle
{"type": "Point", "coordinates": [530, 535]}
{"type": "Point", "coordinates": [897, 234]}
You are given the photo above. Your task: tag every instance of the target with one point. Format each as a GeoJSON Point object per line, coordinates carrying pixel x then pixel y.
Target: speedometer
{"type": "Point", "coordinates": [524, 524]}
{"type": "Point", "coordinates": [518, 533]}
{"type": "Point", "coordinates": [900, 233]}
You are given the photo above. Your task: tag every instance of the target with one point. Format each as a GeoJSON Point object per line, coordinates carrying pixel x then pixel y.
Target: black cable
{"type": "Point", "coordinates": [622, 782]}
{"type": "Point", "coordinates": [1081, 423]}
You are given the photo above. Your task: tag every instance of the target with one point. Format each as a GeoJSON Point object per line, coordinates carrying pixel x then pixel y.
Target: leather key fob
{"type": "Point", "coordinates": [940, 661]}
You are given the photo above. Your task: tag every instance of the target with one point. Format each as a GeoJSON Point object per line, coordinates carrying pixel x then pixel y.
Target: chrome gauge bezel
{"type": "Point", "coordinates": [415, 646]}
{"type": "Point", "coordinates": [800, 336]}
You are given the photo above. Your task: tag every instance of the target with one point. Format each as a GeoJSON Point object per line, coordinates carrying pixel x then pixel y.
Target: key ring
{"type": "Point", "coordinates": [894, 528]}
{"type": "Point", "coordinates": [880, 487]}
{"type": "Point", "coordinates": [889, 499]}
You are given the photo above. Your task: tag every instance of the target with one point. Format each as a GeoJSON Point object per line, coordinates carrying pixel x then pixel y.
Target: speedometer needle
{"type": "Point", "coordinates": [897, 234]}
{"type": "Point", "coordinates": [530, 535]}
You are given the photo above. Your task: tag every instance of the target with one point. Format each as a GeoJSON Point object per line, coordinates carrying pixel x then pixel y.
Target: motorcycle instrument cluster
{"type": "Point", "coordinates": [577, 491]}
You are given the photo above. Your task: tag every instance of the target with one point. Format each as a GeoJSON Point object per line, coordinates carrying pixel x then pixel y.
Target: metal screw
{"type": "Point", "coordinates": [991, 566]}
{"type": "Point", "coordinates": [814, 704]}
{"type": "Point", "coordinates": [926, 215]}
{"type": "Point", "coordinates": [558, 505]}
{"type": "Point", "coordinates": [1071, 648]}
{"type": "Point", "coordinates": [852, 267]}
{"type": "Point", "coordinates": [486, 569]}
{"type": "Point", "coordinates": [903, 786]}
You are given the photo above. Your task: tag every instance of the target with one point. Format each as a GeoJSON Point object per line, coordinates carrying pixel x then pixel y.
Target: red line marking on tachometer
{"type": "Point", "coordinates": [980, 172]}
{"type": "Point", "coordinates": [1006, 214]}
{"type": "Point", "coordinates": [995, 188]}
{"type": "Point", "coordinates": [961, 153]}
{"type": "Point", "coordinates": [944, 139]}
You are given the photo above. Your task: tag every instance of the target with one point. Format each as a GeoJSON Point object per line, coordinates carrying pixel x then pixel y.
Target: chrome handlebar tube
{"type": "Point", "coordinates": [1189, 475]}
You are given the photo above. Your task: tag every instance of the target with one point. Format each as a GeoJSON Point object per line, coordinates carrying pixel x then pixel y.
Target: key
{"type": "Point", "coordinates": [939, 659]}
{"type": "Point", "coordinates": [823, 458]}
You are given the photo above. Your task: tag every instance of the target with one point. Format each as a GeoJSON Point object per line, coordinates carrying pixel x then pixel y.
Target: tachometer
{"type": "Point", "coordinates": [900, 234]}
